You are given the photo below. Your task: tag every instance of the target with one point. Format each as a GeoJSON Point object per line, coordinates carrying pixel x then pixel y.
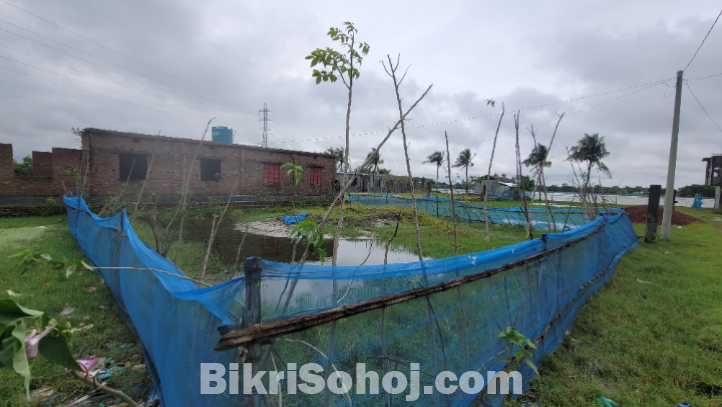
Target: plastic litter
{"type": "Point", "coordinates": [684, 405]}
{"type": "Point", "coordinates": [67, 311]}
{"type": "Point", "coordinates": [290, 220]}
{"type": "Point", "coordinates": [86, 364]}
{"type": "Point", "coordinates": [113, 371]}
{"type": "Point", "coordinates": [12, 293]}
{"type": "Point", "coordinates": [41, 393]}
{"type": "Point", "coordinates": [605, 402]}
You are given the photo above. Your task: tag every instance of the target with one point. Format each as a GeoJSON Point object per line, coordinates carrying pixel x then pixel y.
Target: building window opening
{"type": "Point", "coordinates": [210, 170]}
{"type": "Point", "coordinates": [133, 166]}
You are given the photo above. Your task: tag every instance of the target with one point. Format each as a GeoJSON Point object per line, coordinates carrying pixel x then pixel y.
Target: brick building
{"type": "Point", "coordinates": [110, 159]}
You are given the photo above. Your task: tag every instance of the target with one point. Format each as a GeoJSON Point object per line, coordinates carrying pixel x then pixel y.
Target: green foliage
{"type": "Point", "coordinates": [27, 261]}
{"type": "Point", "coordinates": [340, 64]}
{"type": "Point", "coordinates": [296, 172]}
{"type": "Point", "coordinates": [308, 230]}
{"type": "Point", "coordinates": [465, 160]}
{"type": "Point", "coordinates": [591, 149]}
{"type": "Point", "coordinates": [519, 349]}
{"type": "Point", "coordinates": [339, 154]}
{"type": "Point", "coordinates": [538, 157]}
{"type": "Point", "coordinates": [374, 162]}
{"type": "Point", "coordinates": [15, 351]}
{"type": "Point", "coordinates": [437, 158]}
{"type": "Point", "coordinates": [25, 166]}
{"type": "Point", "coordinates": [526, 183]}
{"type": "Point", "coordinates": [691, 190]}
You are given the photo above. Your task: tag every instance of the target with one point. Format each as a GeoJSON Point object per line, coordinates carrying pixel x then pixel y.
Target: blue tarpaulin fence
{"type": "Point", "coordinates": [541, 218]}
{"type": "Point", "coordinates": [178, 322]}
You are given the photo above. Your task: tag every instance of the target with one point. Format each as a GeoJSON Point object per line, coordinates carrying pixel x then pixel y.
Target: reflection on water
{"type": "Point", "coordinates": [630, 200]}
{"type": "Point", "coordinates": [351, 251]}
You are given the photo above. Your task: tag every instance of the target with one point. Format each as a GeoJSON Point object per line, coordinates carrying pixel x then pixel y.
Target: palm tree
{"type": "Point", "coordinates": [538, 158]}
{"type": "Point", "coordinates": [590, 149]}
{"type": "Point", "coordinates": [437, 157]}
{"type": "Point", "coordinates": [338, 153]}
{"type": "Point", "coordinates": [375, 161]}
{"type": "Point", "coordinates": [464, 160]}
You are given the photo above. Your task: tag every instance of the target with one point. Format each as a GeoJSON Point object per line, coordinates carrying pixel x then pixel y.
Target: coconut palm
{"type": "Point", "coordinates": [464, 160]}
{"type": "Point", "coordinates": [590, 149]}
{"type": "Point", "coordinates": [338, 153]}
{"type": "Point", "coordinates": [437, 157]}
{"type": "Point", "coordinates": [375, 161]}
{"type": "Point", "coordinates": [538, 157]}
{"type": "Point", "coordinates": [373, 164]}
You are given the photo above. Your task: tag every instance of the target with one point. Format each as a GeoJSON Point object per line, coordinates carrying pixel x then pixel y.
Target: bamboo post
{"type": "Point", "coordinates": [252, 269]}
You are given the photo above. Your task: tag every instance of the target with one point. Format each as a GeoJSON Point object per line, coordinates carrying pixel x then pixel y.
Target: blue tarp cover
{"type": "Point", "coordinates": [290, 220]}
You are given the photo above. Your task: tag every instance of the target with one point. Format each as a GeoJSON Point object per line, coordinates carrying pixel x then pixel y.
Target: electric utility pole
{"type": "Point", "coordinates": [669, 194]}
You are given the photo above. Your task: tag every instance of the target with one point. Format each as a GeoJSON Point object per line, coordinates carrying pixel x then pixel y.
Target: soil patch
{"type": "Point", "coordinates": [638, 214]}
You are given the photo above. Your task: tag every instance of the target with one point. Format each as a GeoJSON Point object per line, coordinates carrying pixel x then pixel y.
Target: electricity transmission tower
{"type": "Point", "coordinates": [264, 118]}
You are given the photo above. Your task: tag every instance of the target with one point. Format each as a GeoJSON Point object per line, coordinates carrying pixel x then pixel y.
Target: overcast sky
{"type": "Point", "coordinates": [169, 66]}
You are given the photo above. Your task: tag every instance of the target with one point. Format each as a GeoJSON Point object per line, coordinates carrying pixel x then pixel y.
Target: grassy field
{"type": "Point", "coordinates": [653, 335]}
{"type": "Point", "coordinates": [49, 291]}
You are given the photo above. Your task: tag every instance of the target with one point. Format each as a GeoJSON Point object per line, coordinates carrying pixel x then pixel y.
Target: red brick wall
{"type": "Point", "coordinates": [169, 161]}
{"type": "Point", "coordinates": [7, 175]}
{"type": "Point", "coordinates": [43, 180]}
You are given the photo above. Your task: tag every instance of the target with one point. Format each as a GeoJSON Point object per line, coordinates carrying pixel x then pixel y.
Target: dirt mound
{"type": "Point", "coordinates": [638, 214]}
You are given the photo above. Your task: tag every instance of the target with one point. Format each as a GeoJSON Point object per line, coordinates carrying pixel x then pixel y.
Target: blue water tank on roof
{"type": "Point", "coordinates": [222, 134]}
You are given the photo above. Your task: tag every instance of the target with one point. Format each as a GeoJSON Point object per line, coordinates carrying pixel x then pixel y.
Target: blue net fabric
{"type": "Point", "coordinates": [560, 218]}
{"type": "Point", "coordinates": [454, 330]}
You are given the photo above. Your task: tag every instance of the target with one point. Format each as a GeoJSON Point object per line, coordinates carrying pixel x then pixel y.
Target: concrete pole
{"type": "Point", "coordinates": [669, 193]}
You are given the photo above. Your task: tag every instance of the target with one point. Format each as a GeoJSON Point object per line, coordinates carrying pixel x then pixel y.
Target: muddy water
{"type": "Point", "coordinates": [278, 247]}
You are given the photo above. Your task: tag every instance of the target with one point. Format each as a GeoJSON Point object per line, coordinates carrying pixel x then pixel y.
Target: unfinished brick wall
{"type": "Point", "coordinates": [43, 180]}
{"type": "Point", "coordinates": [168, 162]}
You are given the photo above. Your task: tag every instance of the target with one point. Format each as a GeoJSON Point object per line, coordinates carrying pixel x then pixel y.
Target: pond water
{"type": "Point", "coordinates": [352, 252]}
{"type": "Point", "coordinates": [630, 200]}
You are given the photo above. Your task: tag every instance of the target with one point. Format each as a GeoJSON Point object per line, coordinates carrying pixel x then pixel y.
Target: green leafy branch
{"type": "Point", "coordinates": [28, 262]}
{"type": "Point", "coordinates": [341, 63]}
{"type": "Point", "coordinates": [296, 171]}
{"type": "Point", "coordinates": [16, 349]}
{"type": "Point", "coordinates": [519, 349]}
{"type": "Point", "coordinates": [308, 230]}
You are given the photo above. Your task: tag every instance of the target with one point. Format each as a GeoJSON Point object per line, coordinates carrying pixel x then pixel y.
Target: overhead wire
{"type": "Point", "coordinates": [101, 66]}
{"type": "Point", "coordinates": [103, 79]}
{"type": "Point", "coordinates": [121, 54]}
{"type": "Point", "coordinates": [698, 48]}
{"type": "Point", "coordinates": [533, 107]}
{"type": "Point", "coordinates": [108, 89]}
{"type": "Point", "coordinates": [702, 107]}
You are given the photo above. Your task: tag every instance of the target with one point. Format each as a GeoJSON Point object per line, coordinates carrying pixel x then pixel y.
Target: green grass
{"type": "Point", "coordinates": [109, 335]}
{"type": "Point", "coordinates": [647, 344]}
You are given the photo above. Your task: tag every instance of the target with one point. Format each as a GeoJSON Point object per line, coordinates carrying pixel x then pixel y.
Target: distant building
{"type": "Point", "coordinates": [494, 185]}
{"type": "Point", "coordinates": [109, 160]}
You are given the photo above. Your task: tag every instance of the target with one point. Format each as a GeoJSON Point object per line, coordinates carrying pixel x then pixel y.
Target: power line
{"type": "Point", "coordinates": [703, 109]}
{"type": "Point", "coordinates": [120, 53]}
{"type": "Point", "coordinates": [705, 77]}
{"type": "Point", "coordinates": [698, 48]}
{"type": "Point", "coordinates": [104, 67]}
{"type": "Point", "coordinates": [650, 85]}
{"type": "Point", "coordinates": [540, 106]}
{"type": "Point", "coordinates": [100, 78]}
